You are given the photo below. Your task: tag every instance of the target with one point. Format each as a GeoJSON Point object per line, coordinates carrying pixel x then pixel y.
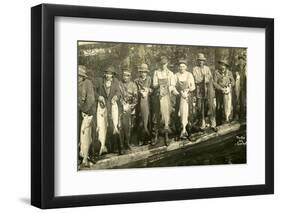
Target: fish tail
{"type": "Point", "coordinates": [103, 149]}
{"type": "Point", "coordinates": [146, 130]}
{"type": "Point", "coordinates": [115, 131]}
{"type": "Point", "coordinates": [81, 153]}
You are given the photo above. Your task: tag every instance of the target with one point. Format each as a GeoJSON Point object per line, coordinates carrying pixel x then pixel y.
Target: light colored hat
{"type": "Point", "coordinates": [143, 68]}
{"type": "Point", "coordinates": [126, 70]}
{"type": "Point", "coordinates": [82, 71]}
{"type": "Point", "coordinates": [164, 59]}
{"type": "Point", "coordinates": [223, 61]}
{"type": "Point", "coordinates": [201, 57]}
{"type": "Point", "coordinates": [182, 61]}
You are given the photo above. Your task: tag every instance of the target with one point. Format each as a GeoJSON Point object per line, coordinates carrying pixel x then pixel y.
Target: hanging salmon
{"type": "Point", "coordinates": [144, 108]}
{"type": "Point", "coordinates": [115, 117]}
{"type": "Point", "coordinates": [183, 111]}
{"type": "Point", "coordinates": [165, 105]}
{"type": "Point", "coordinates": [227, 102]}
{"type": "Point", "coordinates": [102, 127]}
{"type": "Point", "coordinates": [237, 87]}
{"type": "Point", "coordinates": [85, 136]}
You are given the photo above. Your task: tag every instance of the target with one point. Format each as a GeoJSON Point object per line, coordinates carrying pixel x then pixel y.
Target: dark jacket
{"type": "Point", "coordinates": [129, 93]}
{"type": "Point", "coordinates": [223, 80]}
{"type": "Point", "coordinates": [86, 97]}
{"type": "Point", "coordinates": [101, 91]}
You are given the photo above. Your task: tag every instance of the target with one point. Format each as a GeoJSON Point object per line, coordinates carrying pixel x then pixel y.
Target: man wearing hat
{"type": "Point", "coordinates": [86, 106]}
{"type": "Point", "coordinates": [184, 85]}
{"type": "Point", "coordinates": [144, 84]}
{"type": "Point", "coordinates": [164, 88]}
{"type": "Point", "coordinates": [240, 76]}
{"type": "Point", "coordinates": [223, 83]}
{"type": "Point", "coordinates": [108, 91]}
{"type": "Point", "coordinates": [129, 98]}
{"type": "Point", "coordinates": [204, 92]}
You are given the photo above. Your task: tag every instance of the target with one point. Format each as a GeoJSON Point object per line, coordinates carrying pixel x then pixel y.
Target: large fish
{"type": "Point", "coordinates": [183, 111]}
{"type": "Point", "coordinates": [227, 100]}
{"type": "Point", "coordinates": [144, 109]}
{"type": "Point", "coordinates": [102, 127]}
{"type": "Point", "coordinates": [85, 136]}
{"type": "Point", "coordinates": [115, 117]}
{"type": "Point", "coordinates": [165, 107]}
{"type": "Point", "coordinates": [237, 87]}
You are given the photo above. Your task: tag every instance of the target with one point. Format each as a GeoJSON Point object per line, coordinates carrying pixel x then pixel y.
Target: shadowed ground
{"type": "Point", "coordinates": [226, 146]}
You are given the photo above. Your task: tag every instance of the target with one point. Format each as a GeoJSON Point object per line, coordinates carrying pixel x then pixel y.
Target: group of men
{"type": "Point", "coordinates": [161, 103]}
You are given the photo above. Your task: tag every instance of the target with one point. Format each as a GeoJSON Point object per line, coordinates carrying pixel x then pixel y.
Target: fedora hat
{"type": "Point", "coordinates": [201, 57]}
{"type": "Point", "coordinates": [143, 68]}
{"type": "Point", "coordinates": [82, 71]}
{"type": "Point", "coordinates": [223, 61]}
{"type": "Point", "coordinates": [109, 70]}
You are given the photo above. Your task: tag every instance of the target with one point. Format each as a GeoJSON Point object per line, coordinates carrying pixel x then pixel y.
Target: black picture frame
{"type": "Point", "coordinates": [43, 102]}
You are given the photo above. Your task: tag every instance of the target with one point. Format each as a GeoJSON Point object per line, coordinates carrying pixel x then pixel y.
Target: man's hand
{"type": "Point", "coordinates": [226, 90]}
{"type": "Point", "coordinates": [101, 100]}
{"type": "Point", "coordinates": [175, 92]}
{"type": "Point", "coordinates": [184, 94]}
{"type": "Point", "coordinates": [115, 98]}
{"type": "Point", "coordinates": [237, 76]}
{"type": "Point", "coordinates": [132, 107]}
{"type": "Point", "coordinates": [126, 107]}
{"type": "Point", "coordinates": [83, 114]}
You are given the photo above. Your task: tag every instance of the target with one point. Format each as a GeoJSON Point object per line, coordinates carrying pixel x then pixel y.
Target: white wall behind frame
{"type": "Point", "coordinates": [15, 106]}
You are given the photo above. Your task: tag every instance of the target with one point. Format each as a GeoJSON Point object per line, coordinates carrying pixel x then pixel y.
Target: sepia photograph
{"type": "Point", "coordinates": [160, 105]}
{"type": "Point", "coordinates": [134, 105]}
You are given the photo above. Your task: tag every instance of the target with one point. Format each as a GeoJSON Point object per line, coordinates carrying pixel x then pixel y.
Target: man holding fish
{"type": "Point", "coordinates": [86, 105]}
{"type": "Point", "coordinates": [107, 112]}
{"type": "Point", "coordinates": [224, 83]}
{"type": "Point", "coordinates": [205, 93]}
{"type": "Point", "coordinates": [184, 85]}
{"type": "Point", "coordinates": [240, 76]}
{"type": "Point", "coordinates": [129, 99]}
{"type": "Point", "coordinates": [144, 83]}
{"type": "Point", "coordinates": [164, 87]}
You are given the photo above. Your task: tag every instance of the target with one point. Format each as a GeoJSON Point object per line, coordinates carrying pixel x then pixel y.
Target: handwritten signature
{"type": "Point", "coordinates": [240, 141]}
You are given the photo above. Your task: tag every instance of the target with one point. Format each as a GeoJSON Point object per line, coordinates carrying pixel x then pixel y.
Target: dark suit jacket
{"type": "Point", "coordinates": [86, 97]}
{"type": "Point", "coordinates": [101, 91]}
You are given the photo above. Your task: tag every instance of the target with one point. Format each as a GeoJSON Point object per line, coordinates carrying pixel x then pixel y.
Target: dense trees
{"type": "Point", "coordinates": [96, 56]}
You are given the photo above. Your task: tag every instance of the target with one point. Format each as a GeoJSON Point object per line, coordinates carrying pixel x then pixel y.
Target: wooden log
{"type": "Point", "coordinates": [151, 153]}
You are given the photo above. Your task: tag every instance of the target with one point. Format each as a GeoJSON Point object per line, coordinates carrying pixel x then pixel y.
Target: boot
{"type": "Point", "coordinates": [154, 140]}
{"type": "Point", "coordinates": [166, 138]}
{"type": "Point", "coordinates": [85, 163]}
{"type": "Point", "coordinates": [203, 125]}
{"type": "Point", "coordinates": [121, 152]}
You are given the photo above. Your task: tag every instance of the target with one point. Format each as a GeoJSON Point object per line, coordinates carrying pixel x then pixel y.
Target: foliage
{"type": "Point", "coordinates": [96, 56]}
